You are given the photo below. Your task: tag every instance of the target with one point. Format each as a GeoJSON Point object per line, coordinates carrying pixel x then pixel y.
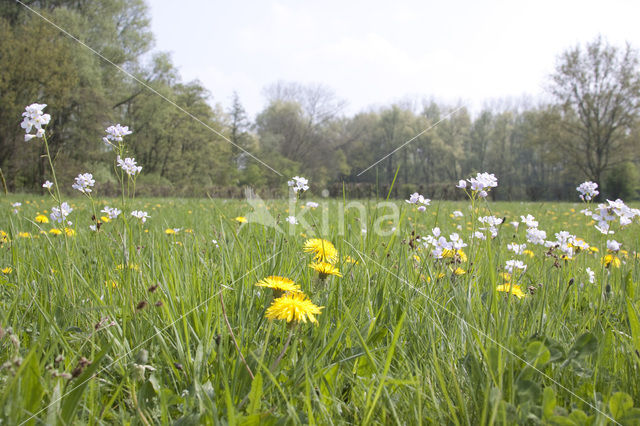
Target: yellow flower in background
{"type": "Point", "coordinates": [170, 231]}
{"type": "Point", "coordinates": [325, 269]}
{"type": "Point", "coordinates": [105, 219]}
{"type": "Point", "coordinates": [241, 219]}
{"type": "Point", "coordinates": [447, 253]}
{"type": "Point", "coordinates": [349, 259]}
{"type": "Point", "coordinates": [528, 253]}
{"type": "Point", "coordinates": [7, 270]}
{"type": "Point", "coordinates": [132, 266]}
{"type": "Point", "coordinates": [279, 284]}
{"type": "Point", "coordinates": [70, 232]}
{"type": "Point", "coordinates": [55, 231]}
{"type": "Point", "coordinates": [594, 249]}
{"type": "Point", "coordinates": [24, 235]}
{"type": "Point", "coordinates": [293, 307]}
{"type": "Point", "coordinates": [111, 283]}
{"type": "Point", "coordinates": [3, 237]}
{"type": "Point", "coordinates": [611, 260]}
{"type": "Point", "coordinates": [505, 276]}
{"type": "Point", "coordinates": [42, 219]}
{"type": "Point", "coordinates": [511, 288]}
{"type": "Point", "coordinates": [439, 276]}
{"type": "Point", "coordinates": [323, 250]}
{"type": "Point", "coordinates": [459, 271]}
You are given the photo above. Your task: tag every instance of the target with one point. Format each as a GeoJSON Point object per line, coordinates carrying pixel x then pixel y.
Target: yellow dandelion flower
{"type": "Point", "coordinates": [511, 288]}
{"type": "Point", "coordinates": [438, 277]}
{"type": "Point", "coordinates": [7, 270]}
{"type": "Point", "coordinates": [416, 258]}
{"type": "Point", "coordinates": [241, 219]}
{"type": "Point", "coordinates": [3, 237]}
{"type": "Point", "coordinates": [459, 271]}
{"type": "Point", "coordinates": [111, 283]}
{"type": "Point", "coordinates": [42, 219]}
{"type": "Point", "coordinates": [349, 259]}
{"type": "Point", "coordinates": [279, 285]}
{"type": "Point", "coordinates": [528, 253]}
{"type": "Point", "coordinates": [505, 276]}
{"type": "Point", "coordinates": [293, 307]}
{"type": "Point", "coordinates": [55, 231]}
{"type": "Point", "coordinates": [624, 253]}
{"type": "Point", "coordinates": [325, 269]}
{"type": "Point", "coordinates": [70, 232]}
{"type": "Point", "coordinates": [323, 249]}
{"type": "Point", "coordinates": [24, 235]}
{"type": "Point", "coordinates": [170, 231]}
{"type": "Point", "coordinates": [594, 249]}
{"type": "Point", "coordinates": [105, 219]}
{"type": "Point", "coordinates": [611, 260]}
{"type": "Point", "coordinates": [189, 231]}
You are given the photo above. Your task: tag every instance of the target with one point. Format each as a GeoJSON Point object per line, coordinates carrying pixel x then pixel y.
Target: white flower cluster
{"type": "Point", "coordinates": [111, 212]}
{"type": "Point", "coordinates": [116, 133]}
{"type": "Point", "coordinates": [534, 235]}
{"type": "Point", "coordinates": [492, 222]}
{"type": "Point", "coordinates": [33, 117]}
{"type": "Point", "coordinates": [564, 241]}
{"type": "Point", "coordinates": [606, 213]}
{"type": "Point", "coordinates": [588, 190]}
{"type": "Point", "coordinates": [129, 166]}
{"type": "Point", "coordinates": [613, 245]}
{"type": "Point", "coordinates": [416, 198]}
{"type": "Point", "coordinates": [143, 216]}
{"type": "Point", "coordinates": [312, 204]}
{"type": "Point", "coordinates": [59, 214]}
{"type": "Point", "coordinates": [47, 184]}
{"type": "Point", "coordinates": [292, 220]}
{"type": "Point", "coordinates": [440, 243]}
{"type": "Point", "coordinates": [515, 264]}
{"type": "Point", "coordinates": [84, 182]}
{"type": "Point", "coordinates": [298, 184]}
{"type": "Point", "coordinates": [481, 184]}
{"type": "Point", "coordinates": [516, 248]}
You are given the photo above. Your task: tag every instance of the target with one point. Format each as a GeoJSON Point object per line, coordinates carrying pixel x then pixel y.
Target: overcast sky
{"type": "Point", "coordinates": [372, 53]}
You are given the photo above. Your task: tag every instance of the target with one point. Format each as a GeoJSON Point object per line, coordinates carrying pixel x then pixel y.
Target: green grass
{"type": "Point", "coordinates": [394, 343]}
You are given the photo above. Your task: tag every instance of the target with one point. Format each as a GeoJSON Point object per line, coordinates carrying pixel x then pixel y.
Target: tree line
{"type": "Point", "coordinates": [539, 151]}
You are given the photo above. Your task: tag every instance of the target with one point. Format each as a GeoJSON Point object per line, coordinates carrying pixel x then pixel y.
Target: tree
{"type": "Point", "coordinates": [598, 89]}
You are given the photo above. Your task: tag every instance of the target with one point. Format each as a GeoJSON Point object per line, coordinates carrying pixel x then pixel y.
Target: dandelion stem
{"type": "Point", "coordinates": [233, 337]}
{"type": "Point", "coordinates": [286, 346]}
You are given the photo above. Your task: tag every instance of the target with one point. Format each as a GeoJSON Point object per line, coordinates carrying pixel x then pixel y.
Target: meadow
{"type": "Point", "coordinates": [161, 321]}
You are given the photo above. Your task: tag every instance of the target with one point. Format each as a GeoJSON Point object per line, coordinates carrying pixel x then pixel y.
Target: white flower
{"type": "Point", "coordinates": [129, 165]}
{"type": "Point", "coordinates": [298, 183]}
{"type": "Point", "coordinates": [312, 204]}
{"type": "Point", "coordinates": [516, 248]}
{"type": "Point", "coordinates": [84, 182]}
{"type": "Point", "coordinates": [536, 236]}
{"type": "Point", "coordinates": [143, 216]}
{"type": "Point", "coordinates": [59, 214]}
{"type": "Point", "coordinates": [47, 184]}
{"type": "Point", "coordinates": [515, 224]}
{"type": "Point", "coordinates": [481, 184]}
{"type": "Point", "coordinates": [33, 117]}
{"type": "Point", "coordinates": [479, 235]}
{"type": "Point", "coordinates": [111, 212]}
{"type": "Point", "coordinates": [587, 190]}
{"type": "Point", "coordinates": [530, 221]}
{"type": "Point", "coordinates": [215, 243]}
{"type": "Point", "coordinates": [592, 275]}
{"type": "Point", "coordinates": [462, 184]}
{"type": "Point", "coordinates": [93, 228]}
{"type": "Point", "coordinates": [116, 133]}
{"type": "Point", "coordinates": [613, 245]}
{"type": "Point", "coordinates": [515, 264]}
{"type": "Point", "coordinates": [456, 242]}
{"type": "Point", "coordinates": [16, 204]}
{"type": "Point", "coordinates": [292, 220]}
{"type": "Point", "coordinates": [457, 213]}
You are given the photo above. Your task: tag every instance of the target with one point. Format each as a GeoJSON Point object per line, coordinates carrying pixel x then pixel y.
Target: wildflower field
{"type": "Point", "coordinates": [314, 311]}
{"type": "Point", "coordinates": [170, 324]}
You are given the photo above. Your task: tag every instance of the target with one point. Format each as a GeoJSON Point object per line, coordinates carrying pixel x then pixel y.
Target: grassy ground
{"type": "Point", "coordinates": [134, 325]}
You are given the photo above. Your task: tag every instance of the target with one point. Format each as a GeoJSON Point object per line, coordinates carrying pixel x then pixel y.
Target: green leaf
{"type": "Point", "coordinates": [527, 390]}
{"type": "Point", "coordinates": [77, 387]}
{"type": "Point", "coordinates": [548, 402]}
{"type": "Point", "coordinates": [629, 286]}
{"type": "Point", "coordinates": [255, 395]}
{"type": "Point", "coordinates": [619, 404]}
{"type": "Point", "coordinates": [634, 324]}
{"type": "Point", "coordinates": [584, 346]}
